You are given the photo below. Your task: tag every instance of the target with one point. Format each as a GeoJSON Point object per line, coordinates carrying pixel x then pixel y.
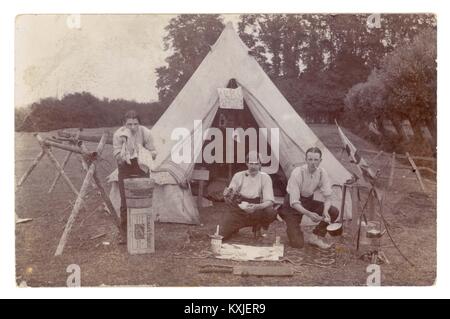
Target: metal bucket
{"type": "Point", "coordinates": [374, 229]}
{"type": "Point", "coordinates": [139, 192]}
{"type": "Point", "coordinates": [216, 243]}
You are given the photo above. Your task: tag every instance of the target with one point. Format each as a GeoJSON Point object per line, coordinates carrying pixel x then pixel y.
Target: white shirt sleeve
{"type": "Point", "coordinates": [294, 186]}
{"type": "Point", "coordinates": [325, 184]}
{"type": "Point", "coordinates": [118, 142]}
{"type": "Point", "coordinates": [148, 139]}
{"type": "Point", "coordinates": [267, 189]}
{"type": "Point", "coordinates": [235, 181]}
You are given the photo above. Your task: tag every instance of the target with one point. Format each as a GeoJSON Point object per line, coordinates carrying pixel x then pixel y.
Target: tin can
{"type": "Point", "coordinates": [216, 243]}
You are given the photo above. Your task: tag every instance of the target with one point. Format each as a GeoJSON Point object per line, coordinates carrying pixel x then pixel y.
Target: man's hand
{"type": "Point", "coordinates": [315, 217]}
{"type": "Point", "coordinates": [256, 206]}
{"type": "Point", "coordinates": [251, 208]}
{"type": "Point", "coordinates": [227, 195]}
{"type": "Point", "coordinates": [227, 192]}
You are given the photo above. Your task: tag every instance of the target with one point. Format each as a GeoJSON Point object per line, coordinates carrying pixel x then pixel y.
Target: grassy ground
{"type": "Point", "coordinates": [182, 249]}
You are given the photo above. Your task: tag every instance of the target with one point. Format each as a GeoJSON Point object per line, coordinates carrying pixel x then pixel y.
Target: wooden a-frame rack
{"type": "Point", "coordinates": [73, 143]}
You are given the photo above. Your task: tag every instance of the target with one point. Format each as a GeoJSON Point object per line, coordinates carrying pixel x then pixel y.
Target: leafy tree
{"type": "Point", "coordinates": [404, 86]}
{"type": "Point", "coordinates": [189, 38]}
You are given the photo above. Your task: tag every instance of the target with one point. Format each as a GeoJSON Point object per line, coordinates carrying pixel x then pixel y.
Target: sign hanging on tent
{"type": "Point", "coordinates": [231, 98]}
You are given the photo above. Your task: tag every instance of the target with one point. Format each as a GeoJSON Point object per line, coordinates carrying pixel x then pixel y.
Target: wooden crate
{"type": "Point", "coordinates": [141, 231]}
{"type": "Point", "coordinates": [139, 192]}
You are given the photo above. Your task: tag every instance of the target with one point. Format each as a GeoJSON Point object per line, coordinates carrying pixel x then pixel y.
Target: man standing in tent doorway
{"type": "Point", "coordinates": [129, 142]}
{"type": "Point", "coordinates": [302, 184]}
{"type": "Point", "coordinates": [250, 196]}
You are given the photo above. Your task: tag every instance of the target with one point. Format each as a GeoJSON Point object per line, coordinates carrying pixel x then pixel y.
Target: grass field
{"type": "Point", "coordinates": [182, 249]}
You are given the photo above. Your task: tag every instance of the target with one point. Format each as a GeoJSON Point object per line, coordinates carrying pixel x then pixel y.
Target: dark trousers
{"type": "Point", "coordinates": [293, 218]}
{"type": "Point", "coordinates": [236, 219]}
{"type": "Point", "coordinates": [127, 171]}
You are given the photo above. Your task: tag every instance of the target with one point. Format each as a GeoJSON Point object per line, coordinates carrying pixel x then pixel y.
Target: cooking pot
{"type": "Point", "coordinates": [334, 229]}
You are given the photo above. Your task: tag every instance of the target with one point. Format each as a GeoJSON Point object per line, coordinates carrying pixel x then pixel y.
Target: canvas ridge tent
{"type": "Point", "coordinates": [229, 58]}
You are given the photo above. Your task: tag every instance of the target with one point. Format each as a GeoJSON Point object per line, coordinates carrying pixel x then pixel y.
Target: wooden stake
{"type": "Point", "coordinates": [371, 206]}
{"type": "Point", "coordinates": [375, 157]}
{"type": "Point", "coordinates": [201, 185]}
{"type": "Point", "coordinates": [84, 164]}
{"type": "Point", "coordinates": [391, 175]}
{"type": "Point", "coordinates": [251, 270]}
{"type": "Point", "coordinates": [58, 174]}
{"type": "Point", "coordinates": [107, 200]}
{"type": "Point", "coordinates": [344, 193]}
{"type": "Point", "coordinates": [28, 172]}
{"type": "Point", "coordinates": [66, 160]}
{"type": "Point", "coordinates": [415, 170]}
{"type": "Point", "coordinates": [75, 211]}
{"type": "Point", "coordinates": [355, 210]}
{"type": "Point", "coordinates": [70, 148]}
{"type": "Point", "coordinates": [76, 208]}
{"type": "Point", "coordinates": [84, 137]}
{"type": "Point", "coordinates": [342, 153]}
{"type": "Point", "coordinates": [53, 159]}
{"type": "Point", "coordinates": [22, 220]}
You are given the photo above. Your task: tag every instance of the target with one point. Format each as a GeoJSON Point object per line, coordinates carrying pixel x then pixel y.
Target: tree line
{"type": "Point", "coordinates": [360, 69]}
{"type": "Point", "coordinates": [356, 68]}
{"type": "Point", "coordinates": [81, 110]}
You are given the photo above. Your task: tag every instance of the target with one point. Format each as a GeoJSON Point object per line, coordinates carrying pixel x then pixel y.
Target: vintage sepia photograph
{"type": "Point", "coordinates": [226, 150]}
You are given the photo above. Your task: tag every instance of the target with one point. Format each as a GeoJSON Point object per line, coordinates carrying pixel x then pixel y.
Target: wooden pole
{"type": "Point", "coordinates": [391, 175]}
{"type": "Point", "coordinates": [84, 137]}
{"type": "Point", "coordinates": [64, 147]}
{"type": "Point", "coordinates": [75, 211]}
{"type": "Point", "coordinates": [415, 170]}
{"type": "Point", "coordinates": [84, 164]}
{"type": "Point", "coordinates": [344, 193]}
{"type": "Point", "coordinates": [201, 185]}
{"type": "Point", "coordinates": [56, 163]}
{"type": "Point", "coordinates": [66, 160]}
{"type": "Point", "coordinates": [58, 174]}
{"type": "Point", "coordinates": [76, 208]}
{"type": "Point", "coordinates": [33, 165]}
{"type": "Point", "coordinates": [22, 220]}
{"type": "Point", "coordinates": [371, 205]}
{"type": "Point", "coordinates": [107, 200]}
{"type": "Point", "coordinates": [342, 153]}
{"type": "Point", "coordinates": [427, 169]}
{"type": "Point", "coordinates": [425, 158]}
{"type": "Point", "coordinates": [372, 160]}
{"type": "Point", "coordinates": [355, 210]}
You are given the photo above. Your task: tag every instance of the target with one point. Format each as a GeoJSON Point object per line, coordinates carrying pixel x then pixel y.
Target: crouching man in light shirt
{"type": "Point", "coordinates": [250, 197]}
{"type": "Point", "coordinates": [302, 184]}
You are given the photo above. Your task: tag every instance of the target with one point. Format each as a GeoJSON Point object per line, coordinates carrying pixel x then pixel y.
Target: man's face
{"type": "Point", "coordinates": [254, 167]}
{"type": "Point", "coordinates": [132, 125]}
{"type": "Point", "coordinates": [313, 160]}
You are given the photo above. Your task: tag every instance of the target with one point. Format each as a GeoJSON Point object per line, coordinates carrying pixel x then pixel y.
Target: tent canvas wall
{"type": "Point", "coordinates": [229, 58]}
